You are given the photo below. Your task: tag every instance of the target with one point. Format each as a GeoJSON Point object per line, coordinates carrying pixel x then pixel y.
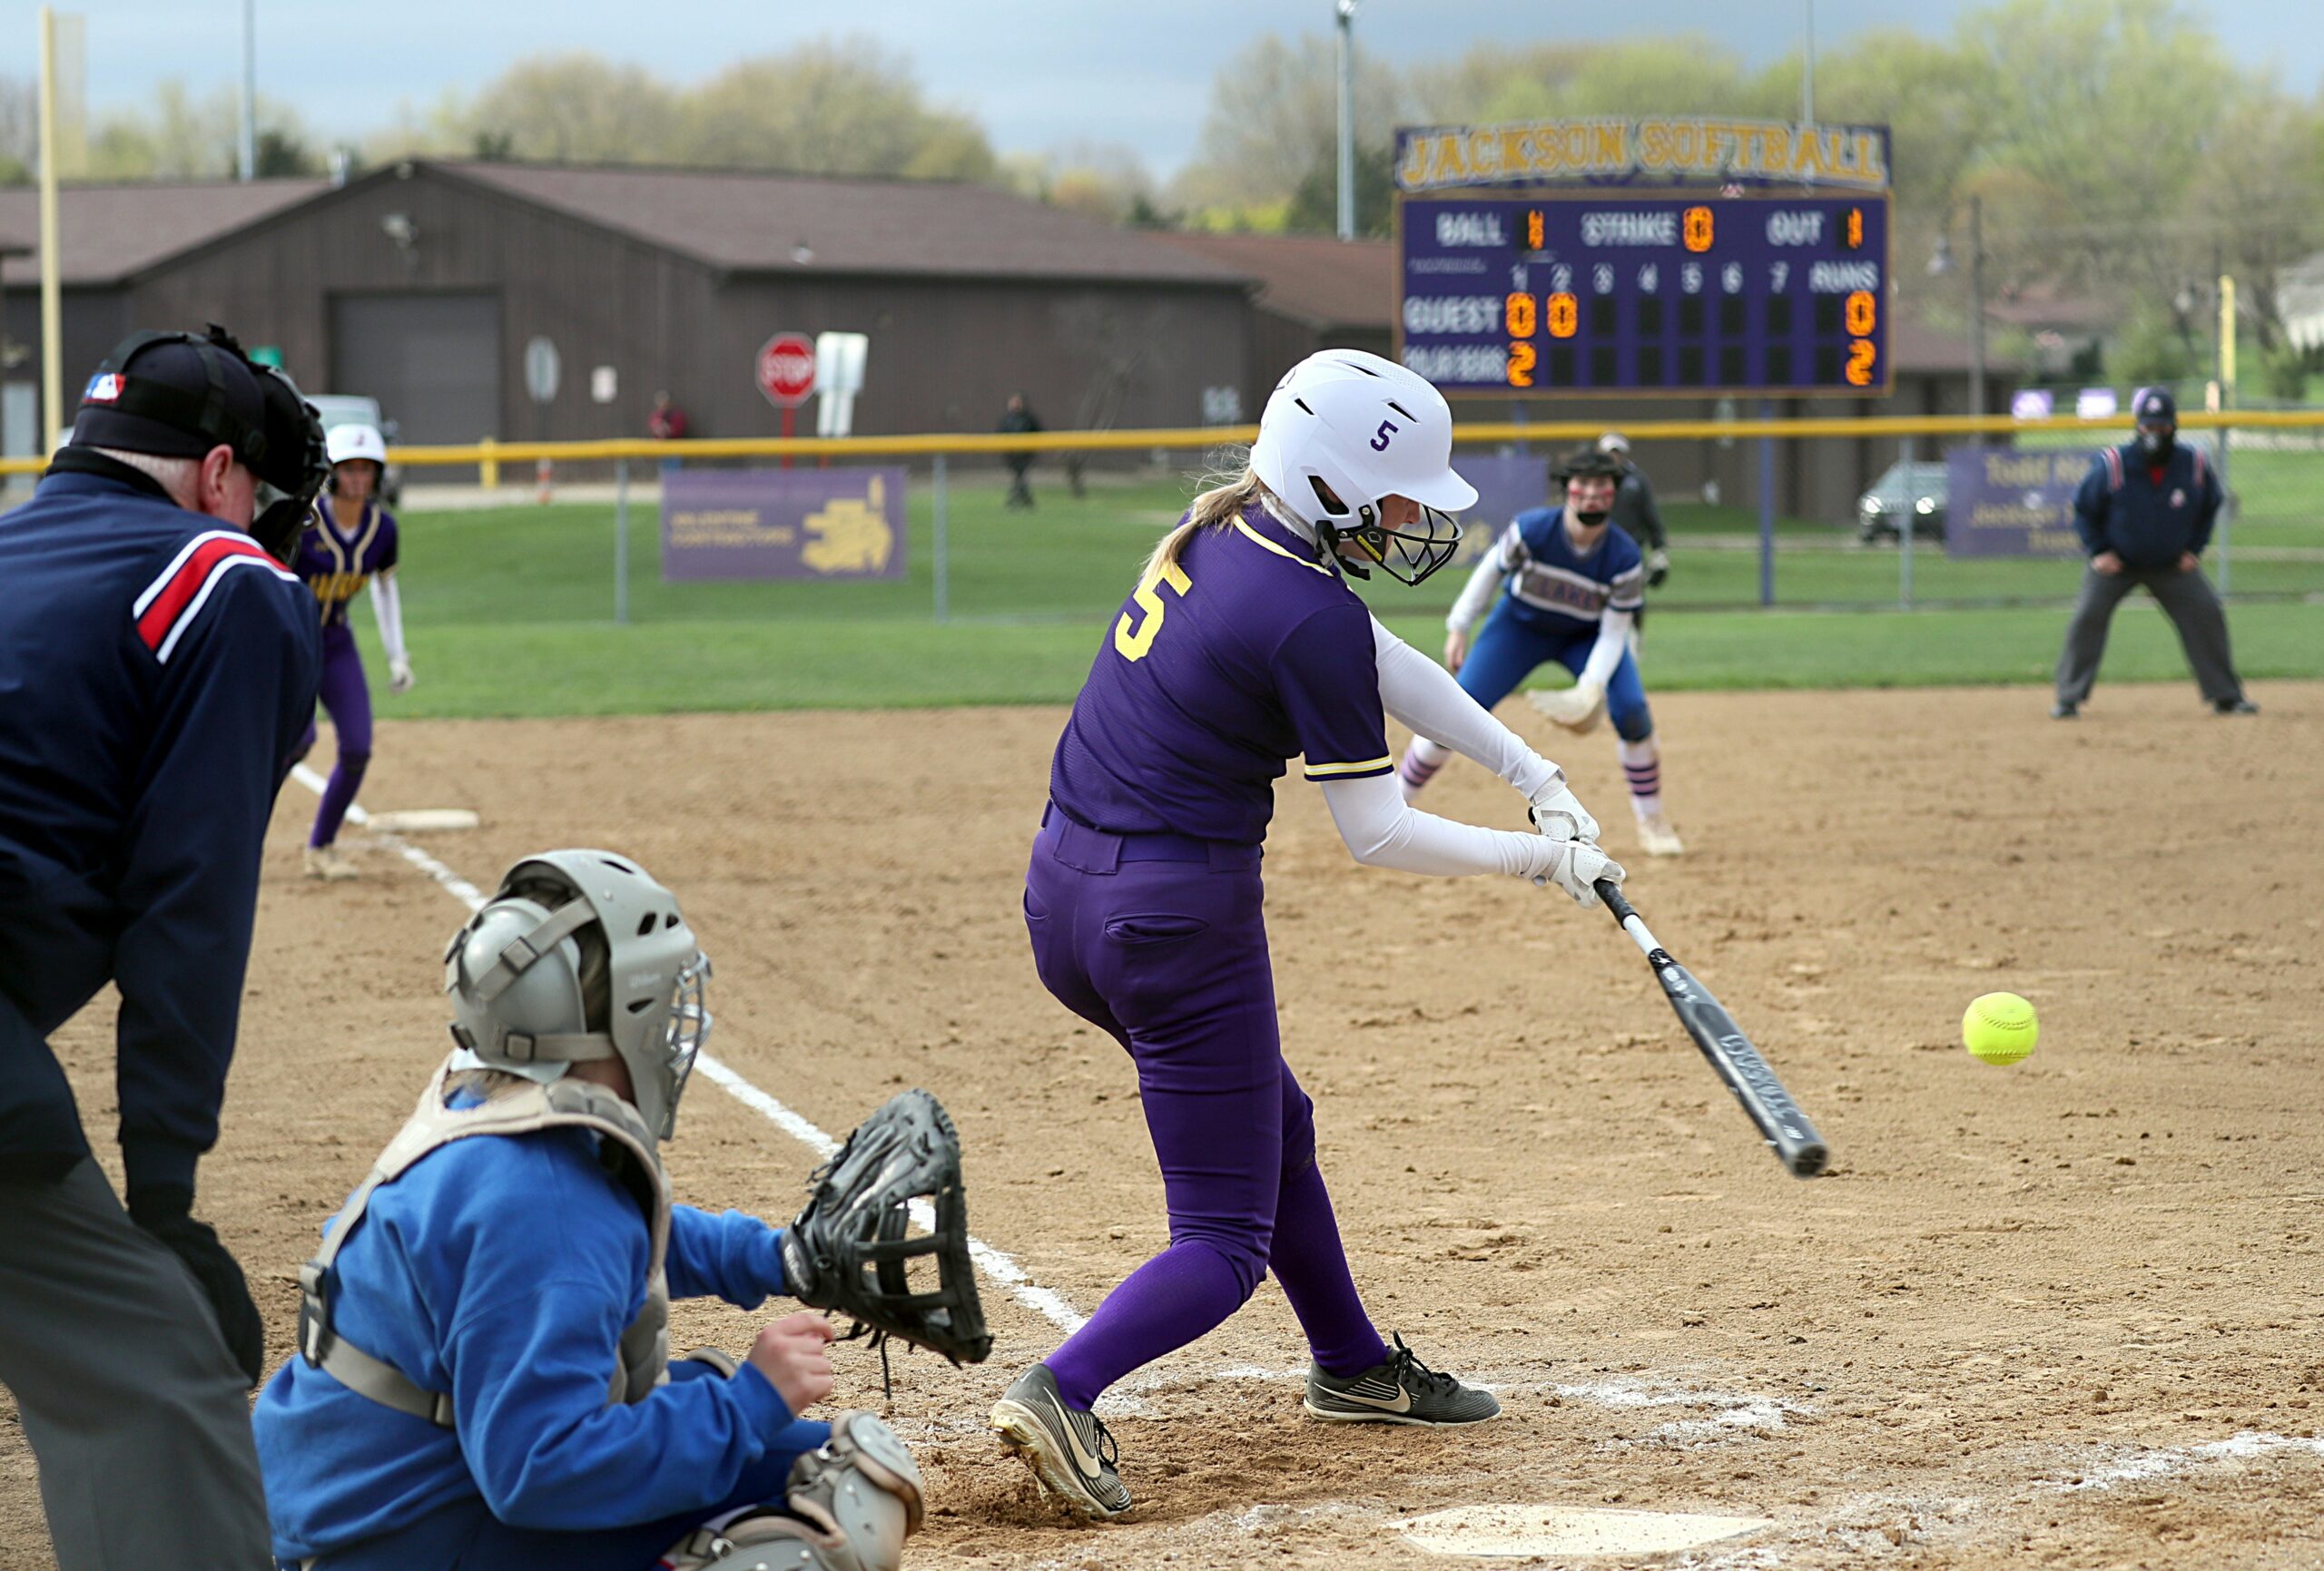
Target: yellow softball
{"type": "Point", "coordinates": [2000, 1028]}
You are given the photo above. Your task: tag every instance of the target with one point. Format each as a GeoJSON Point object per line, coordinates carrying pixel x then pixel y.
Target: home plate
{"type": "Point", "coordinates": [1523, 1531]}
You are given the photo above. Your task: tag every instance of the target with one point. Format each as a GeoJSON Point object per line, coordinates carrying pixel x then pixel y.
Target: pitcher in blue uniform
{"type": "Point", "coordinates": [353, 542]}
{"type": "Point", "coordinates": [1241, 646]}
{"type": "Point", "coordinates": [1576, 582]}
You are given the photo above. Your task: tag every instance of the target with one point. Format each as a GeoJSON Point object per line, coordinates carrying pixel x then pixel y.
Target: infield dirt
{"type": "Point", "coordinates": [2070, 1312]}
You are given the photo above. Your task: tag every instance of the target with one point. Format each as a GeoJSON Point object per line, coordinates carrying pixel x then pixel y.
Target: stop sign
{"type": "Point", "coordinates": [786, 370]}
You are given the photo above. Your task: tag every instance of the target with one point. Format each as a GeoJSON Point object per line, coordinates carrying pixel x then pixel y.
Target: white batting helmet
{"type": "Point", "coordinates": [1344, 430]}
{"type": "Point", "coordinates": [345, 443]}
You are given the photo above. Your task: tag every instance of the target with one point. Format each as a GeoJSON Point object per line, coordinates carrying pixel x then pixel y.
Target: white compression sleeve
{"type": "Point", "coordinates": [1383, 830]}
{"type": "Point", "coordinates": [1423, 695]}
{"type": "Point", "coordinates": [387, 609]}
{"type": "Point", "coordinates": [1476, 595]}
{"type": "Point", "coordinates": [1613, 643]}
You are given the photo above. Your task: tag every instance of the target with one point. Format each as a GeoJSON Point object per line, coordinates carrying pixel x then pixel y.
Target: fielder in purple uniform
{"type": "Point", "coordinates": [1575, 586]}
{"type": "Point", "coordinates": [1242, 646]}
{"type": "Point", "coordinates": [353, 542]}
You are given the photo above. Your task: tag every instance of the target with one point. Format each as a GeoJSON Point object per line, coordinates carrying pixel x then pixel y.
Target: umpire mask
{"type": "Point", "coordinates": [176, 395]}
{"type": "Point", "coordinates": [583, 955]}
{"type": "Point", "coordinates": [2157, 413]}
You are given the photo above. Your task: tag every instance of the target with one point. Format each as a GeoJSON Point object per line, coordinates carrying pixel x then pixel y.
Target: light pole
{"type": "Point", "coordinates": [247, 159]}
{"type": "Point", "coordinates": [1808, 72]}
{"type": "Point", "coordinates": [1940, 262]}
{"type": "Point", "coordinates": [1347, 119]}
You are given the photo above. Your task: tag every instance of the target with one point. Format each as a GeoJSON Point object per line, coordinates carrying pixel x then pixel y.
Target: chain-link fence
{"type": "Point", "coordinates": [1833, 513]}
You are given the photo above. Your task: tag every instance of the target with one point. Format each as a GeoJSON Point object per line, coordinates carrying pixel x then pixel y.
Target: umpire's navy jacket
{"type": "Point", "coordinates": [156, 670]}
{"type": "Point", "coordinates": [2124, 508]}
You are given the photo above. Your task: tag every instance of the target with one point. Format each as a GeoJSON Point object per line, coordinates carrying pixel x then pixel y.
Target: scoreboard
{"type": "Point", "coordinates": [1609, 291]}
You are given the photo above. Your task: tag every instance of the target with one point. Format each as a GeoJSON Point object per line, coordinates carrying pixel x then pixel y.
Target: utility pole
{"type": "Point", "coordinates": [52, 314]}
{"type": "Point", "coordinates": [248, 158]}
{"type": "Point", "coordinates": [1977, 310]}
{"type": "Point", "coordinates": [1347, 119]}
{"type": "Point", "coordinates": [1808, 72]}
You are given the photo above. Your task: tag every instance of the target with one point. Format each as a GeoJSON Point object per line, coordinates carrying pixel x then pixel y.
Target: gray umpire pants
{"type": "Point", "coordinates": [2187, 598]}
{"type": "Point", "coordinates": [134, 1409]}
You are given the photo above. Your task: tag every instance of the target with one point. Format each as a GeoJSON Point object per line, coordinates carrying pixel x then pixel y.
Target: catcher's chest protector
{"type": "Point", "coordinates": [519, 1108]}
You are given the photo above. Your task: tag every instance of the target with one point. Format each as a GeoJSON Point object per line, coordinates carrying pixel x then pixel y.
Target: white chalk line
{"type": "Point", "coordinates": [994, 1263]}
{"type": "Point", "coordinates": [2165, 1461]}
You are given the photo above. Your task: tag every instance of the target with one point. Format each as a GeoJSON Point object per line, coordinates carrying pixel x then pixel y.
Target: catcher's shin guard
{"type": "Point", "coordinates": [853, 1503]}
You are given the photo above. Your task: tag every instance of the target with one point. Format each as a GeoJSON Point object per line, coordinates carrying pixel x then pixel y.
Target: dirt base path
{"type": "Point", "coordinates": [2068, 1311]}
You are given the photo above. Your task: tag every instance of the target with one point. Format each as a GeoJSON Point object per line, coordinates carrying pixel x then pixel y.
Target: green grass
{"type": "Point", "coordinates": [510, 613]}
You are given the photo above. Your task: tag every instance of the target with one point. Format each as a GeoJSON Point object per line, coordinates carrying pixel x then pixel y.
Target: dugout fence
{"type": "Point", "coordinates": [1762, 512]}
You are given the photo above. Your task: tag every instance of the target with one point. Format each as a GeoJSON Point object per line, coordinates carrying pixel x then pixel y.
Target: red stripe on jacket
{"type": "Point", "coordinates": [185, 584]}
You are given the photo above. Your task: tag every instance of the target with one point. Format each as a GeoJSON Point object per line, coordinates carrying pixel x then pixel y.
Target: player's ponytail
{"type": "Point", "coordinates": [1227, 488]}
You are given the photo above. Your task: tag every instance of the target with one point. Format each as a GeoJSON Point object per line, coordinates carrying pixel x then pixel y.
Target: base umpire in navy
{"type": "Point", "coordinates": [157, 666]}
{"type": "Point", "coordinates": [2144, 513]}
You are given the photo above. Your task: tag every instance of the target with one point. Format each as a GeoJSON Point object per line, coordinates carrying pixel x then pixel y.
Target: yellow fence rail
{"type": "Point", "coordinates": [489, 454]}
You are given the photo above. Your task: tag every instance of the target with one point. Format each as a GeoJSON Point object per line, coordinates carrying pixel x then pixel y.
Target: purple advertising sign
{"type": "Point", "coordinates": [2001, 502]}
{"type": "Point", "coordinates": [782, 524]}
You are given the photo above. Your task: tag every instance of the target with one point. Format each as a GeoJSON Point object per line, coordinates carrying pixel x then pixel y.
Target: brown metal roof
{"type": "Point", "coordinates": [752, 223]}
{"type": "Point", "coordinates": [106, 232]}
{"type": "Point", "coordinates": [1316, 279]}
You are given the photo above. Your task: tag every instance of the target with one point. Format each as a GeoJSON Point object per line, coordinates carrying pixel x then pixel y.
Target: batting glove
{"type": "Point", "coordinates": [1574, 867]}
{"type": "Point", "coordinates": [400, 677]}
{"type": "Point", "coordinates": [1657, 567]}
{"type": "Point", "coordinates": [1558, 813]}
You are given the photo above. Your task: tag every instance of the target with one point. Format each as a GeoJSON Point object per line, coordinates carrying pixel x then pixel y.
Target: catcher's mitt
{"type": "Point", "coordinates": [852, 1252]}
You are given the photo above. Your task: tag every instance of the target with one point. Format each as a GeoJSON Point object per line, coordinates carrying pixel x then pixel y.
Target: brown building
{"type": "Point", "coordinates": [108, 236]}
{"type": "Point", "coordinates": [423, 283]}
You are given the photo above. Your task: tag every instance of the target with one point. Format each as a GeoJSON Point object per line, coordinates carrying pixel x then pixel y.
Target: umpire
{"type": "Point", "coordinates": [2144, 513]}
{"type": "Point", "coordinates": [1635, 513]}
{"type": "Point", "coordinates": [157, 667]}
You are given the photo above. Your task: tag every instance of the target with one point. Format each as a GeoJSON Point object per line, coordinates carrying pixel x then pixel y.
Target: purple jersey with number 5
{"type": "Point", "coordinates": [1249, 653]}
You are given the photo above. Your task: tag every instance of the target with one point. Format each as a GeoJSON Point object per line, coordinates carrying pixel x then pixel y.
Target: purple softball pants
{"type": "Point", "coordinates": [346, 698]}
{"type": "Point", "coordinates": [1158, 941]}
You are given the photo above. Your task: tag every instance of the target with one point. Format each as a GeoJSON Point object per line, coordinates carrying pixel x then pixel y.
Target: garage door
{"type": "Point", "coordinates": [433, 361]}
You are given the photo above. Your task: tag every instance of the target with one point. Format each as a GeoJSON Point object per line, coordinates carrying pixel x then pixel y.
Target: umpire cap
{"type": "Point", "coordinates": [177, 396]}
{"type": "Point", "coordinates": [2154, 405]}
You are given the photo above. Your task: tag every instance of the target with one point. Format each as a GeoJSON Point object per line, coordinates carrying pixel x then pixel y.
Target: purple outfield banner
{"type": "Point", "coordinates": [782, 524]}
{"type": "Point", "coordinates": [2004, 503]}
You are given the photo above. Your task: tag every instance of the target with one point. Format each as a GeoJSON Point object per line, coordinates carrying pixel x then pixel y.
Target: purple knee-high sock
{"type": "Point", "coordinates": [1312, 1269]}
{"type": "Point", "coordinates": [1166, 1303]}
{"type": "Point", "coordinates": [345, 777]}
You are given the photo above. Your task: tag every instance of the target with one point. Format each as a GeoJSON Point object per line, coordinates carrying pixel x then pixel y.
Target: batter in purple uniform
{"type": "Point", "coordinates": [1242, 647]}
{"type": "Point", "coordinates": [353, 540]}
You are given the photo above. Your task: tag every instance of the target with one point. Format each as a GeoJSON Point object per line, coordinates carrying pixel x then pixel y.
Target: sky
{"type": "Point", "coordinates": [1041, 76]}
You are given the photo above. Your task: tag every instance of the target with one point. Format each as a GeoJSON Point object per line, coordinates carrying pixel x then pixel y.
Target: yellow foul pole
{"type": "Point", "coordinates": [52, 310]}
{"type": "Point", "coordinates": [2227, 339]}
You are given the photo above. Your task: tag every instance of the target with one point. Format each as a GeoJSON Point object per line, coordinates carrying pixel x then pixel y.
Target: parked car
{"type": "Point", "coordinates": [354, 409]}
{"type": "Point", "coordinates": [1918, 489]}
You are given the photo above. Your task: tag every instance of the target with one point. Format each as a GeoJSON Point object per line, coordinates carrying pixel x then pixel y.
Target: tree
{"type": "Point", "coordinates": [1274, 112]}
{"type": "Point", "coordinates": [1316, 202]}
{"type": "Point", "coordinates": [574, 108]}
{"type": "Point", "coordinates": [831, 107]}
